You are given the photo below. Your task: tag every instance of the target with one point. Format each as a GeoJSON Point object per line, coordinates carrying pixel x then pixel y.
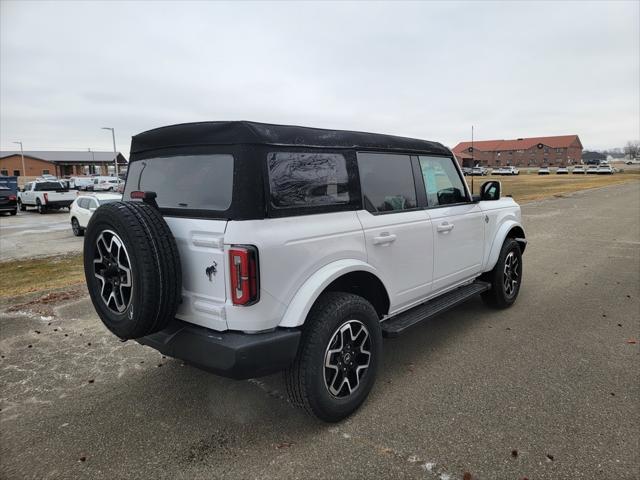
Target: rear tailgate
{"type": "Point", "coordinates": [201, 246]}
{"type": "Point", "coordinates": [53, 196]}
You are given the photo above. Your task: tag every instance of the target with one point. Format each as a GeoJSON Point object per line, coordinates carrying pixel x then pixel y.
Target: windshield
{"type": "Point", "coordinates": [190, 182]}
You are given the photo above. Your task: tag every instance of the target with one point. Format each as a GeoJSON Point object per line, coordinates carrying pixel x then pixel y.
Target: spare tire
{"type": "Point", "coordinates": [132, 268]}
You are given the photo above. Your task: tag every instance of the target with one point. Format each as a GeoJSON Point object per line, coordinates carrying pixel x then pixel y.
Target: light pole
{"type": "Point", "coordinates": [93, 160]}
{"type": "Point", "coordinates": [113, 136]}
{"type": "Point", "coordinates": [24, 170]}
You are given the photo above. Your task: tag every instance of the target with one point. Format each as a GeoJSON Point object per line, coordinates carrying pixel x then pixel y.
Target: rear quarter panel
{"type": "Point", "coordinates": [290, 250]}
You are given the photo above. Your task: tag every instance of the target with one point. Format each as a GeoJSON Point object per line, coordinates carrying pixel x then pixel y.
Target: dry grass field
{"type": "Point", "coordinates": [18, 277]}
{"type": "Point", "coordinates": [530, 187]}
{"type": "Point", "coordinates": [25, 276]}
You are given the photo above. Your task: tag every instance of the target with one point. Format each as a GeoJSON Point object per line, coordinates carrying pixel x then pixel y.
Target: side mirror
{"type": "Point", "coordinates": [490, 191]}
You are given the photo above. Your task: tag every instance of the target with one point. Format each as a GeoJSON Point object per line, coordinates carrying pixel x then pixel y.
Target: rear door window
{"type": "Point", "coordinates": [307, 179]}
{"type": "Point", "coordinates": [189, 182]}
{"type": "Point", "coordinates": [387, 182]}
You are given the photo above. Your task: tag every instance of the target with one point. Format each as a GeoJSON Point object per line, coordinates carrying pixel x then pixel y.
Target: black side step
{"type": "Point", "coordinates": [398, 324]}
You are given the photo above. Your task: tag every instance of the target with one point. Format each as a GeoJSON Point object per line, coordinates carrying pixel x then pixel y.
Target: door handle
{"type": "Point", "coordinates": [385, 238]}
{"type": "Point", "coordinates": [445, 227]}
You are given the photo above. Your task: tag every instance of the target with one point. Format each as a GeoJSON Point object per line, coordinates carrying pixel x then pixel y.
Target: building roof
{"type": "Point", "coordinates": [67, 156]}
{"type": "Point", "coordinates": [244, 132]}
{"type": "Point", "coordinates": [562, 141]}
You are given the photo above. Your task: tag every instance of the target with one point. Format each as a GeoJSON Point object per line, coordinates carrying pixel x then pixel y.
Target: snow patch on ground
{"type": "Point", "coordinates": [429, 466]}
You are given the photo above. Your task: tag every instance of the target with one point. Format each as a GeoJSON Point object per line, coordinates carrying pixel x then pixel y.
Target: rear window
{"type": "Point", "coordinates": [102, 201]}
{"type": "Point", "coordinates": [190, 182]}
{"type": "Point", "coordinates": [307, 179]}
{"type": "Point", "coordinates": [387, 182]}
{"type": "Point", "coordinates": [44, 186]}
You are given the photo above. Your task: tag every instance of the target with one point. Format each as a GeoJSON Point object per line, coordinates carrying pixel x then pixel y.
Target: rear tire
{"type": "Point", "coordinates": [506, 276]}
{"type": "Point", "coordinates": [14, 212]}
{"type": "Point", "coordinates": [132, 267]}
{"type": "Point", "coordinates": [341, 340]}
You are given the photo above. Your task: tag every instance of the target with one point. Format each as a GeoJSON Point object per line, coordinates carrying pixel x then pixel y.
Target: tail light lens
{"type": "Point", "coordinates": [46, 197]}
{"type": "Point", "coordinates": [243, 270]}
{"type": "Point", "coordinates": [12, 197]}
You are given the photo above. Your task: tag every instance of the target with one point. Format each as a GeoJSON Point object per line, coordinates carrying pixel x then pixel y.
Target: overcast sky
{"type": "Point", "coordinates": [428, 70]}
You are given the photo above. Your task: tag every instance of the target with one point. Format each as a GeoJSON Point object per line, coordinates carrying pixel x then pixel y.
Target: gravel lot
{"type": "Point", "coordinates": [30, 234]}
{"type": "Point", "coordinates": [545, 390]}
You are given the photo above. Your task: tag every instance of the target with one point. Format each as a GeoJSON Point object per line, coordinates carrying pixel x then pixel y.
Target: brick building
{"type": "Point", "coordinates": [60, 164]}
{"type": "Point", "coordinates": [522, 152]}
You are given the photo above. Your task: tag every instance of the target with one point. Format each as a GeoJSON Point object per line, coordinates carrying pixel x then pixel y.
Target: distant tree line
{"type": "Point", "coordinates": [631, 150]}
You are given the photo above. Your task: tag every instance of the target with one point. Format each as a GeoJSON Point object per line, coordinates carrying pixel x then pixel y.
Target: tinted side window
{"type": "Point", "coordinates": [82, 203]}
{"type": "Point", "coordinates": [442, 181]}
{"type": "Point", "coordinates": [307, 179]}
{"type": "Point", "coordinates": [387, 182]}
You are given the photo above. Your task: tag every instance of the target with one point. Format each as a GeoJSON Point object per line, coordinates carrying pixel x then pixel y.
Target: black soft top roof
{"type": "Point", "coordinates": [244, 132]}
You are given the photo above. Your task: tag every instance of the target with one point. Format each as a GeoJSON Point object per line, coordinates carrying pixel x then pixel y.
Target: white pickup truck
{"type": "Point", "coordinates": [45, 196]}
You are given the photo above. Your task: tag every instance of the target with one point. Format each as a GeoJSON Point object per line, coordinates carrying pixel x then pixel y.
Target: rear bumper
{"type": "Point", "coordinates": [58, 203]}
{"type": "Point", "coordinates": [230, 354]}
{"type": "Point", "coordinates": [8, 207]}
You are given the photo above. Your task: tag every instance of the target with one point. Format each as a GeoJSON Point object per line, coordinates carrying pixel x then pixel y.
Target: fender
{"type": "Point", "coordinates": [498, 240]}
{"type": "Point", "coordinates": [311, 289]}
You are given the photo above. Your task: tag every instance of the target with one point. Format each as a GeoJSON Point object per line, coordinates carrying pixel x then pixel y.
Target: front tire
{"type": "Point", "coordinates": [338, 357]}
{"type": "Point", "coordinates": [506, 276]}
{"type": "Point", "coordinates": [41, 208]}
{"type": "Point", "coordinates": [22, 207]}
{"type": "Point", "coordinates": [78, 231]}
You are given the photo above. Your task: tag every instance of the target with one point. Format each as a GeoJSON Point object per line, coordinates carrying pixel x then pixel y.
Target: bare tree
{"type": "Point", "coordinates": [632, 149]}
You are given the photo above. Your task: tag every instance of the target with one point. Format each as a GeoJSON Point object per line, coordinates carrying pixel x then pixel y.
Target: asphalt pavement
{"type": "Point", "coordinates": [30, 234]}
{"type": "Point", "coordinates": [548, 389]}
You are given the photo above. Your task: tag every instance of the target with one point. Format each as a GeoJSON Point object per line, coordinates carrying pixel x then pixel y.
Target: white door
{"type": "Point", "coordinates": [458, 223]}
{"type": "Point", "coordinates": [398, 235]}
{"type": "Point", "coordinates": [92, 205]}
{"type": "Point", "coordinates": [82, 212]}
{"type": "Point", "coordinates": [28, 197]}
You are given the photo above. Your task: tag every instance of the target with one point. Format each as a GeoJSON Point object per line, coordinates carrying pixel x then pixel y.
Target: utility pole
{"type": "Point", "coordinates": [24, 170]}
{"type": "Point", "coordinates": [115, 152]}
{"type": "Point", "coordinates": [473, 161]}
{"type": "Point", "coordinates": [93, 160]}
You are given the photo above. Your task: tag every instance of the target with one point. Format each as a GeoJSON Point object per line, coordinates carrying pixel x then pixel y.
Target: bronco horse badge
{"type": "Point", "coordinates": [211, 271]}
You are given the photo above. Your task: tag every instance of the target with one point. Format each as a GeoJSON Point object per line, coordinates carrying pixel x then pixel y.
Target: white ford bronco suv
{"type": "Point", "coordinates": [246, 249]}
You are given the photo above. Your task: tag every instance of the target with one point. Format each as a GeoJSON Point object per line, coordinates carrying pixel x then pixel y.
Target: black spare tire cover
{"type": "Point", "coordinates": [132, 267]}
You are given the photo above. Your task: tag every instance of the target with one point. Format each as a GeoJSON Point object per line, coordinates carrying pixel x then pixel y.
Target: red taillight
{"type": "Point", "coordinates": [12, 197]}
{"type": "Point", "coordinates": [136, 195]}
{"type": "Point", "coordinates": [46, 197]}
{"type": "Point", "coordinates": [243, 269]}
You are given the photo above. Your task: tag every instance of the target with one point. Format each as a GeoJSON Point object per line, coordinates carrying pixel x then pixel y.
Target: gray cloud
{"type": "Point", "coordinates": [428, 70]}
